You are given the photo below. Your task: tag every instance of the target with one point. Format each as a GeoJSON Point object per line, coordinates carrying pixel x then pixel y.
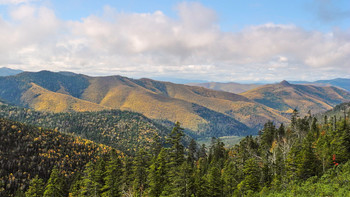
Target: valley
{"type": "Point", "coordinates": [70, 134]}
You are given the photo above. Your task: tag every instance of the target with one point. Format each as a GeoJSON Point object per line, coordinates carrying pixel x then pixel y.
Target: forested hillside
{"type": "Point", "coordinates": [203, 111]}
{"type": "Point", "coordinates": [26, 152]}
{"type": "Point", "coordinates": [123, 130]}
{"type": "Point", "coordinates": [338, 112]}
{"type": "Point", "coordinates": [286, 97]}
{"type": "Point", "coordinates": [303, 159]}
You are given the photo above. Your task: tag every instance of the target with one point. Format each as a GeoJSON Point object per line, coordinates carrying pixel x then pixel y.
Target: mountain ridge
{"type": "Point", "coordinates": [197, 108]}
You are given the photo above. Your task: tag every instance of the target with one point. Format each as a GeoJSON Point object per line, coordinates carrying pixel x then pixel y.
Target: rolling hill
{"type": "Point", "coordinates": [286, 97]}
{"type": "Point", "coordinates": [123, 130]}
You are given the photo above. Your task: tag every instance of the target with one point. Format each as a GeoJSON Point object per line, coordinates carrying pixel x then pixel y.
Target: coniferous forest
{"type": "Point", "coordinates": [306, 158]}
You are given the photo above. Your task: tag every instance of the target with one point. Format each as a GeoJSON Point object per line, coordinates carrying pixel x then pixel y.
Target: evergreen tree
{"type": "Point", "coordinates": [36, 187]}
{"type": "Point", "coordinates": [55, 185]}
{"type": "Point", "coordinates": [89, 185]}
{"type": "Point", "coordinates": [307, 161]}
{"type": "Point", "coordinates": [251, 177]}
{"type": "Point", "coordinates": [156, 146]}
{"type": "Point", "coordinates": [113, 177]}
{"type": "Point", "coordinates": [99, 174]}
{"type": "Point", "coordinates": [231, 178]}
{"type": "Point", "coordinates": [192, 152]}
{"type": "Point", "coordinates": [177, 149]}
{"type": "Point", "coordinates": [77, 185]}
{"type": "Point", "coordinates": [127, 173]}
{"type": "Point", "coordinates": [215, 185]}
{"type": "Point", "coordinates": [158, 174]}
{"type": "Point", "coordinates": [141, 164]}
{"type": "Point", "coordinates": [200, 182]}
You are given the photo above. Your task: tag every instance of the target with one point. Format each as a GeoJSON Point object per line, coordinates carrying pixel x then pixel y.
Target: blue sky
{"type": "Point", "coordinates": [321, 15]}
{"type": "Point", "coordinates": [243, 41]}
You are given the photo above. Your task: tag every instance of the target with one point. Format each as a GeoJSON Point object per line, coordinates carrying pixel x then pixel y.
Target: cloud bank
{"type": "Point", "coordinates": [155, 45]}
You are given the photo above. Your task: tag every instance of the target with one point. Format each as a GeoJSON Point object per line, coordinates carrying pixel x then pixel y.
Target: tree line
{"type": "Point", "coordinates": [305, 158]}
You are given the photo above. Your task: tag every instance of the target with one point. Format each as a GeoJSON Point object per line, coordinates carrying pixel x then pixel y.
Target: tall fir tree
{"type": "Point", "coordinates": [113, 177]}
{"type": "Point", "coordinates": [55, 185]}
{"type": "Point", "coordinates": [36, 187]}
{"type": "Point", "coordinates": [140, 167]}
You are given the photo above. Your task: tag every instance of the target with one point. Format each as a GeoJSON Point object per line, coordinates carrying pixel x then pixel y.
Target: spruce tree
{"type": "Point", "coordinates": [55, 185]}
{"type": "Point", "coordinates": [215, 185]}
{"type": "Point", "coordinates": [113, 177]}
{"type": "Point", "coordinates": [251, 177]}
{"type": "Point", "coordinates": [36, 187]}
{"type": "Point", "coordinates": [141, 164]}
{"type": "Point", "coordinates": [89, 185]}
{"type": "Point", "coordinates": [177, 149]}
{"type": "Point", "coordinates": [157, 176]}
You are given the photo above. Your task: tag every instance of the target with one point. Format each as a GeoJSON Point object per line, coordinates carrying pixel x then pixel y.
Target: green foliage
{"type": "Point", "coordinates": [123, 130]}
{"type": "Point", "coordinates": [303, 159]}
{"type": "Point", "coordinates": [36, 187]}
{"type": "Point", "coordinates": [55, 185]}
{"type": "Point", "coordinates": [113, 177]}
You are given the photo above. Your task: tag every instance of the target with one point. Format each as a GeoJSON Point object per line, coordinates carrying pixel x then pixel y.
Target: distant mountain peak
{"type": "Point", "coordinates": [285, 83]}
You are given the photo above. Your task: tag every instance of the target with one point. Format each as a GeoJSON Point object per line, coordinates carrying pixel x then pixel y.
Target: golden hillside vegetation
{"type": "Point", "coordinates": [41, 99]}
{"type": "Point", "coordinates": [174, 102]}
{"type": "Point", "coordinates": [286, 97]}
{"type": "Point", "coordinates": [198, 109]}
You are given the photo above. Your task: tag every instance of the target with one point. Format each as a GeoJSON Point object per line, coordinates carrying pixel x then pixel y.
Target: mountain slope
{"type": "Point", "coordinates": [27, 151]}
{"type": "Point", "coordinates": [343, 83]}
{"type": "Point", "coordinates": [285, 97]}
{"type": "Point", "coordinates": [8, 71]}
{"type": "Point", "coordinates": [57, 92]}
{"type": "Point", "coordinates": [197, 108]}
{"type": "Point", "coordinates": [227, 87]}
{"type": "Point", "coordinates": [174, 102]}
{"type": "Point", "coordinates": [123, 130]}
{"type": "Point", "coordinates": [339, 112]}
{"type": "Point", "coordinates": [42, 99]}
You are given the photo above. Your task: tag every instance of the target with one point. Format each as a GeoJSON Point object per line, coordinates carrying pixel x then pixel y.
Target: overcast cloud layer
{"type": "Point", "coordinates": [155, 45]}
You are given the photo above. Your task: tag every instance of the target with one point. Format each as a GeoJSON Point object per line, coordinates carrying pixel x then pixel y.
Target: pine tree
{"type": "Point", "coordinates": [177, 149]}
{"type": "Point", "coordinates": [230, 178]}
{"type": "Point", "coordinates": [156, 146]}
{"type": "Point", "coordinates": [99, 174]}
{"type": "Point", "coordinates": [200, 182]}
{"type": "Point", "coordinates": [307, 161]}
{"type": "Point", "coordinates": [127, 173]}
{"type": "Point", "coordinates": [89, 185]}
{"type": "Point", "coordinates": [251, 177]}
{"type": "Point", "coordinates": [113, 177]}
{"type": "Point", "coordinates": [36, 187]}
{"type": "Point", "coordinates": [77, 185]}
{"type": "Point", "coordinates": [215, 185]}
{"type": "Point", "coordinates": [158, 174]}
{"type": "Point", "coordinates": [192, 152]}
{"type": "Point", "coordinates": [141, 164]}
{"type": "Point", "coordinates": [55, 185]}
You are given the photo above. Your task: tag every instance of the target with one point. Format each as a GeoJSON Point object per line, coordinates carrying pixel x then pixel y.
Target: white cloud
{"type": "Point", "coordinates": [8, 2]}
{"type": "Point", "coordinates": [153, 44]}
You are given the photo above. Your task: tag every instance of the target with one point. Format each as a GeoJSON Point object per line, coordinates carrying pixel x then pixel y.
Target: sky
{"type": "Point", "coordinates": [242, 41]}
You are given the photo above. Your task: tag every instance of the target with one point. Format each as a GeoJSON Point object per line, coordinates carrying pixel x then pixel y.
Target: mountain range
{"type": "Point", "coordinates": [8, 71]}
{"type": "Point", "coordinates": [238, 88]}
{"type": "Point", "coordinates": [200, 110]}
